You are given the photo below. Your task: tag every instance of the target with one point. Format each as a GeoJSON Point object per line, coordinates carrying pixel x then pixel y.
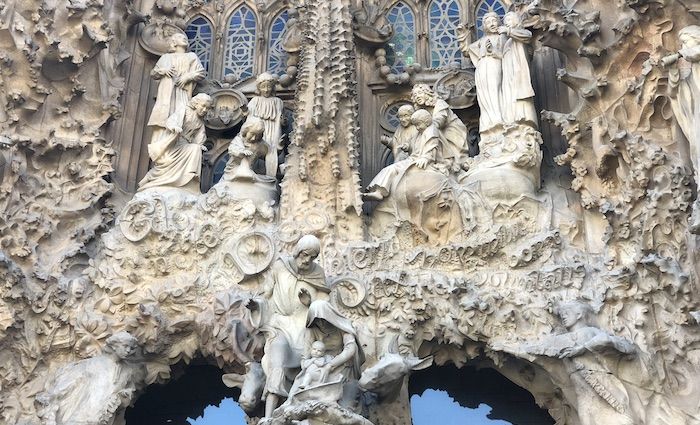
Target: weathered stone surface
{"type": "Point", "coordinates": [585, 295]}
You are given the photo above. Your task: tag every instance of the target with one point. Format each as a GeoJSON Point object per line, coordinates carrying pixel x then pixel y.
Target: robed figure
{"type": "Point", "coordinates": [269, 109]}
{"type": "Point", "coordinates": [295, 282]}
{"type": "Point", "coordinates": [487, 54]}
{"type": "Point", "coordinates": [180, 163]}
{"type": "Point", "coordinates": [518, 94]}
{"type": "Point", "coordinates": [177, 73]}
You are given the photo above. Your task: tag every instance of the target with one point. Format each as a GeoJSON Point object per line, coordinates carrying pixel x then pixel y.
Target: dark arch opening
{"type": "Point", "coordinates": [194, 389]}
{"type": "Point", "coordinates": [472, 388]}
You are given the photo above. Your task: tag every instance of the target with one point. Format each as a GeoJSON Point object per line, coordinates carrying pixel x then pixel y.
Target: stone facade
{"type": "Point", "coordinates": [537, 214]}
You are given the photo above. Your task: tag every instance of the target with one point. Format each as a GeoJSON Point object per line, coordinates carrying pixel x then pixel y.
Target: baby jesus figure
{"type": "Point", "coordinates": [312, 367]}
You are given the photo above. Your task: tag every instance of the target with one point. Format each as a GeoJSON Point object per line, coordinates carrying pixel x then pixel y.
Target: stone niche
{"type": "Point", "coordinates": [538, 216]}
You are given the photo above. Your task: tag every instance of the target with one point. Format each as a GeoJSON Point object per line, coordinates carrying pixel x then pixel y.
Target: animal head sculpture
{"type": "Point", "coordinates": [251, 385]}
{"type": "Point", "coordinates": [387, 375]}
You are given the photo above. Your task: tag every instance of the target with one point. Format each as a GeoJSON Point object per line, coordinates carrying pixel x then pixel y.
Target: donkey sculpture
{"type": "Point", "coordinates": [386, 377]}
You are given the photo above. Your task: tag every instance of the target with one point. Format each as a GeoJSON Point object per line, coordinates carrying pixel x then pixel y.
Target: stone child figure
{"type": "Point", "coordinates": [269, 109]}
{"type": "Point", "coordinates": [684, 84]}
{"type": "Point", "coordinates": [312, 368]}
{"type": "Point", "coordinates": [95, 390]}
{"type": "Point", "coordinates": [400, 142]}
{"type": "Point", "coordinates": [244, 149]}
{"type": "Point", "coordinates": [487, 54]}
{"type": "Point", "coordinates": [295, 281]}
{"type": "Point", "coordinates": [180, 163]}
{"type": "Point", "coordinates": [518, 96]}
{"type": "Point", "coordinates": [177, 73]}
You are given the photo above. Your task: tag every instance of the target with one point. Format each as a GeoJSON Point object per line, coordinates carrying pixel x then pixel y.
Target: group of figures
{"type": "Point", "coordinates": [433, 183]}
{"type": "Point", "coordinates": [311, 351]}
{"type": "Point", "coordinates": [178, 135]}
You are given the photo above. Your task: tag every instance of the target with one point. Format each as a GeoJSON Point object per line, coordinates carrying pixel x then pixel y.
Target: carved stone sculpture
{"type": "Point", "coordinates": [452, 131]}
{"type": "Point", "coordinates": [269, 109]}
{"type": "Point", "coordinates": [240, 179]}
{"type": "Point", "coordinates": [518, 95]}
{"type": "Point", "coordinates": [179, 164]}
{"type": "Point", "coordinates": [177, 72]}
{"type": "Point", "coordinates": [326, 391]}
{"type": "Point", "coordinates": [294, 283]}
{"type": "Point", "coordinates": [402, 139]}
{"type": "Point", "coordinates": [602, 397]}
{"type": "Point", "coordinates": [487, 56]}
{"type": "Point", "coordinates": [93, 391]}
{"type": "Point", "coordinates": [684, 83]}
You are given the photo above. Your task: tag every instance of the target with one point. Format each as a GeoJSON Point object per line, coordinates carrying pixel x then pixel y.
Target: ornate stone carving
{"type": "Point", "coordinates": [497, 280]}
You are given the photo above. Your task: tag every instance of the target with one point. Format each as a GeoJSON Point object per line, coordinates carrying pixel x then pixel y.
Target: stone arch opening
{"type": "Point", "coordinates": [447, 394]}
{"type": "Point", "coordinates": [194, 395]}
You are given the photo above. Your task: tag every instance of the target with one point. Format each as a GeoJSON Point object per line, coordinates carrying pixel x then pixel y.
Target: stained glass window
{"type": "Point", "coordinates": [277, 57]}
{"type": "Point", "coordinates": [402, 46]}
{"type": "Point", "coordinates": [484, 7]}
{"type": "Point", "coordinates": [444, 18]}
{"type": "Point", "coordinates": [240, 43]}
{"type": "Point", "coordinates": [199, 33]}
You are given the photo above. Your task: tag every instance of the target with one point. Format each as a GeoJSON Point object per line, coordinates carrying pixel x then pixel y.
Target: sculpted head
{"type": "Point", "coordinates": [512, 20]}
{"type": "Point", "coordinates": [201, 104]}
{"type": "Point", "coordinates": [421, 119]}
{"type": "Point", "coordinates": [179, 42]}
{"type": "Point", "coordinates": [318, 349]}
{"type": "Point", "coordinates": [422, 95]}
{"type": "Point", "coordinates": [265, 84]}
{"type": "Point", "coordinates": [122, 344]}
{"type": "Point", "coordinates": [252, 130]}
{"type": "Point", "coordinates": [306, 251]}
{"type": "Point", "coordinates": [574, 312]}
{"type": "Point", "coordinates": [491, 22]}
{"type": "Point", "coordinates": [689, 36]}
{"type": "Point", "coordinates": [404, 114]}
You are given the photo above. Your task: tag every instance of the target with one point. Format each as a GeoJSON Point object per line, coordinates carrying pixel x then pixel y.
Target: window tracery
{"type": "Point", "coordinates": [402, 46]}
{"type": "Point", "coordinates": [240, 43]}
{"type": "Point", "coordinates": [199, 33]}
{"type": "Point", "coordinates": [277, 57]}
{"type": "Point", "coordinates": [443, 18]}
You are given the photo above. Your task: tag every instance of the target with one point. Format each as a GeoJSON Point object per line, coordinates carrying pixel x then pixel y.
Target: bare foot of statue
{"type": "Point", "coordinates": [374, 195]}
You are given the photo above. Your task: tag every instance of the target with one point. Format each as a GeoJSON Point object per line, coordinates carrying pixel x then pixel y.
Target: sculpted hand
{"type": "Point", "coordinates": [304, 297]}
{"type": "Point", "coordinates": [204, 148]}
{"type": "Point", "coordinates": [421, 163]}
{"type": "Point", "coordinates": [404, 147]}
{"type": "Point", "coordinates": [248, 152]}
{"type": "Point", "coordinates": [250, 304]}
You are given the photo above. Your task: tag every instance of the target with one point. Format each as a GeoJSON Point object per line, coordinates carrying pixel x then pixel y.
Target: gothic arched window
{"type": "Point", "coordinates": [200, 34]}
{"type": "Point", "coordinates": [277, 57]}
{"type": "Point", "coordinates": [402, 46]}
{"type": "Point", "coordinates": [240, 43]}
{"type": "Point", "coordinates": [443, 19]}
{"type": "Point", "coordinates": [484, 7]}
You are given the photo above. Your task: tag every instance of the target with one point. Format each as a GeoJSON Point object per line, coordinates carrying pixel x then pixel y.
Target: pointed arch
{"type": "Point", "coordinates": [276, 56]}
{"type": "Point", "coordinates": [443, 18]}
{"type": "Point", "coordinates": [201, 36]}
{"type": "Point", "coordinates": [241, 39]}
{"type": "Point", "coordinates": [484, 7]}
{"type": "Point", "coordinates": [402, 46]}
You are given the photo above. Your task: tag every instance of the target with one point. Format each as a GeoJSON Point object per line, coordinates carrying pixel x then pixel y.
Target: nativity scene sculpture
{"type": "Point", "coordinates": [321, 313]}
